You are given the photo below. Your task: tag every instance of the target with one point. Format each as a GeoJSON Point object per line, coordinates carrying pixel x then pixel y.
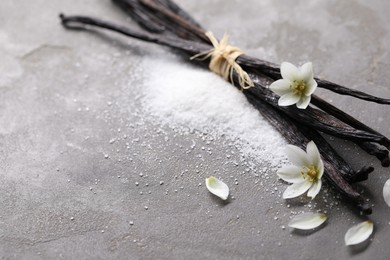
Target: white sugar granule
{"type": "Point", "coordinates": [188, 97]}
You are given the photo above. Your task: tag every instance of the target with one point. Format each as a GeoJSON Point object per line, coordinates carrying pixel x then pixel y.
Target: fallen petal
{"type": "Point", "coordinates": [307, 221]}
{"type": "Point", "coordinates": [359, 233]}
{"type": "Point", "coordinates": [386, 192]}
{"type": "Point", "coordinates": [217, 187]}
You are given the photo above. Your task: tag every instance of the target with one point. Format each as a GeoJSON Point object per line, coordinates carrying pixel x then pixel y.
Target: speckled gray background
{"type": "Point", "coordinates": [74, 141]}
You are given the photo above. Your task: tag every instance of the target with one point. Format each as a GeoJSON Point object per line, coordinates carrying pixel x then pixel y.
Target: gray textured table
{"type": "Point", "coordinates": [74, 140]}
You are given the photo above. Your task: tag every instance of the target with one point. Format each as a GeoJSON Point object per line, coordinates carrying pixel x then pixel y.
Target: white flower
{"type": "Point", "coordinates": [307, 221]}
{"type": "Point", "coordinates": [359, 233]}
{"type": "Point", "coordinates": [305, 174]}
{"type": "Point", "coordinates": [296, 86]}
{"type": "Point", "coordinates": [217, 187]}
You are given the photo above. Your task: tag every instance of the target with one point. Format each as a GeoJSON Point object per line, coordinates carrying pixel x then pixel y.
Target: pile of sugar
{"type": "Point", "coordinates": [187, 97]}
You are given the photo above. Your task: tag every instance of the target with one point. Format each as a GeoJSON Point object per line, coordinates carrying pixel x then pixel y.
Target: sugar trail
{"type": "Point", "coordinates": [187, 97]}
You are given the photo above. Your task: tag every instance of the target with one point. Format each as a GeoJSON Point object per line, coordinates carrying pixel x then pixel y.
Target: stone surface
{"type": "Point", "coordinates": [85, 173]}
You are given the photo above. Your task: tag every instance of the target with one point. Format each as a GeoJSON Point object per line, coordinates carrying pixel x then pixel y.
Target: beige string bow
{"type": "Point", "coordinates": [223, 60]}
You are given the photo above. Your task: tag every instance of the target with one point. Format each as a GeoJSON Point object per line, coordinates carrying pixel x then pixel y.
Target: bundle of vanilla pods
{"type": "Point", "coordinates": [165, 23]}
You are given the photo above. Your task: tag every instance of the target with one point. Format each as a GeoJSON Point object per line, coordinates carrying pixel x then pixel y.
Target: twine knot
{"type": "Point", "coordinates": [223, 60]}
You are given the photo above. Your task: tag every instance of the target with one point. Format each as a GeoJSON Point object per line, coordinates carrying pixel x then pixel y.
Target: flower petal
{"type": "Point", "coordinates": [297, 156]}
{"type": "Point", "coordinates": [296, 189]}
{"type": "Point", "coordinates": [306, 71]}
{"type": "Point", "coordinates": [314, 189]}
{"type": "Point", "coordinates": [313, 153]}
{"type": "Point", "coordinates": [386, 192]}
{"type": "Point", "coordinates": [310, 87]}
{"type": "Point", "coordinates": [307, 221]}
{"type": "Point", "coordinates": [359, 233]}
{"type": "Point", "coordinates": [289, 71]}
{"type": "Point", "coordinates": [217, 187]}
{"type": "Point", "coordinates": [288, 99]}
{"type": "Point", "coordinates": [290, 174]}
{"type": "Point", "coordinates": [303, 102]}
{"type": "Point", "coordinates": [281, 87]}
{"type": "Point", "coordinates": [320, 169]}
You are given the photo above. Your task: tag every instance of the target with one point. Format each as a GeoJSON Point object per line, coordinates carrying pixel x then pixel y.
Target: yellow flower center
{"type": "Point", "coordinates": [312, 173]}
{"type": "Point", "coordinates": [298, 87]}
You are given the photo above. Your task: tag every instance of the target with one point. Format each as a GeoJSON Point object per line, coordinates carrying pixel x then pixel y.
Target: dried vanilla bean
{"type": "Point", "coordinates": [316, 118]}
{"type": "Point", "coordinates": [177, 29]}
{"type": "Point", "coordinates": [310, 116]}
